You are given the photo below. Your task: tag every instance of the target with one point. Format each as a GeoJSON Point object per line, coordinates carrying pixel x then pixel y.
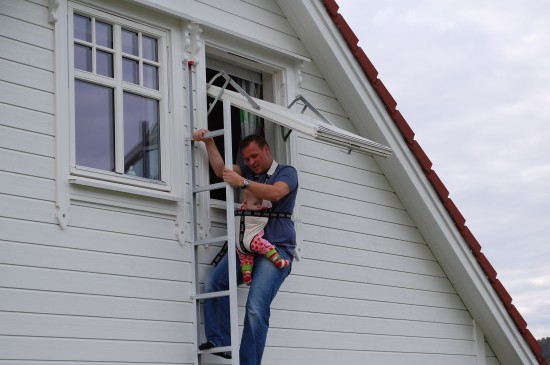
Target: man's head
{"type": "Point", "coordinates": [256, 153]}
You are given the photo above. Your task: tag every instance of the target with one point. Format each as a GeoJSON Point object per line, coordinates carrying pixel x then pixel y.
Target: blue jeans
{"type": "Point", "coordinates": [266, 281]}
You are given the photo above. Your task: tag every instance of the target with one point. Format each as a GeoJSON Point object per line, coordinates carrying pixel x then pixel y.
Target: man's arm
{"type": "Point", "coordinates": [214, 156]}
{"type": "Point", "coordinates": [272, 193]}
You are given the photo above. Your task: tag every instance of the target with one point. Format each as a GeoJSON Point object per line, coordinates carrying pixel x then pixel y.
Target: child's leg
{"type": "Point", "coordinates": [247, 261]}
{"type": "Point", "coordinates": [264, 247]}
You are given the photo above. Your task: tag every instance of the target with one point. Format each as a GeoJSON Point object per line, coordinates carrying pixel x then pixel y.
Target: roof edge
{"type": "Point", "coordinates": [408, 135]}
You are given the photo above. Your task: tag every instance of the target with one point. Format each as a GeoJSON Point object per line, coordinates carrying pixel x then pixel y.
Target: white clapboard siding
{"type": "Point", "coordinates": [27, 186]}
{"type": "Point", "coordinates": [27, 119]}
{"type": "Point", "coordinates": [310, 165]}
{"type": "Point", "coordinates": [82, 351]}
{"type": "Point", "coordinates": [114, 221]}
{"type": "Point", "coordinates": [93, 240]}
{"type": "Point", "coordinates": [36, 78]}
{"type": "Point", "coordinates": [348, 212]}
{"type": "Point", "coordinates": [35, 13]}
{"type": "Point", "coordinates": [26, 97]}
{"type": "Point", "coordinates": [56, 280]}
{"type": "Point", "coordinates": [27, 54]}
{"type": "Point", "coordinates": [40, 35]}
{"type": "Point", "coordinates": [262, 25]}
{"type": "Point", "coordinates": [41, 256]}
{"type": "Point", "coordinates": [372, 243]}
{"type": "Point", "coordinates": [93, 305]}
{"type": "Point", "coordinates": [295, 320]}
{"type": "Point", "coordinates": [320, 303]}
{"type": "Point", "coordinates": [299, 356]}
{"type": "Point", "coordinates": [63, 326]}
{"type": "Point", "coordinates": [25, 141]}
{"type": "Point", "coordinates": [27, 164]}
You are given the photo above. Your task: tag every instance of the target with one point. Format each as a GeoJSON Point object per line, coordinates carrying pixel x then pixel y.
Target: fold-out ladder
{"type": "Point", "coordinates": [196, 243]}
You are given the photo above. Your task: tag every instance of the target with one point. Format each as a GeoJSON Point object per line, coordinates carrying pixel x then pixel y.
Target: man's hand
{"type": "Point", "coordinates": [232, 178]}
{"type": "Point", "coordinates": [199, 135]}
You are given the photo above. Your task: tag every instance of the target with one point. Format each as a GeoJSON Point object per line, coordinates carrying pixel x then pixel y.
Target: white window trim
{"type": "Point", "coordinates": [108, 177]}
{"type": "Point", "coordinates": [71, 188]}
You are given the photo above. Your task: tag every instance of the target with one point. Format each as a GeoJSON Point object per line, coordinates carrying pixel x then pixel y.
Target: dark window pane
{"type": "Point", "coordinates": [149, 48]}
{"type": "Point", "coordinates": [82, 28]}
{"type": "Point", "coordinates": [104, 34]}
{"type": "Point", "coordinates": [141, 136]}
{"type": "Point", "coordinates": [104, 63]}
{"type": "Point", "coordinates": [130, 42]}
{"type": "Point", "coordinates": [94, 126]}
{"type": "Point", "coordinates": [82, 57]}
{"type": "Point", "coordinates": [130, 70]}
{"type": "Point", "coordinates": [150, 77]}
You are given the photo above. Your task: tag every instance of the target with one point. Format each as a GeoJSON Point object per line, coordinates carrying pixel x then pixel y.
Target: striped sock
{"type": "Point", "coordinates": [279, 262]}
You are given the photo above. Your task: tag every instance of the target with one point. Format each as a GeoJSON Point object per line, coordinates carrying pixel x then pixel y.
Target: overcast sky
{"type": "Point", "coordinates": [472, 78]}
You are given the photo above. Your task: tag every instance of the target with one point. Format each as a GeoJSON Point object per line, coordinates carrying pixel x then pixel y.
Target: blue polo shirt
{"type": "Point", "coordinates": [280, 231]}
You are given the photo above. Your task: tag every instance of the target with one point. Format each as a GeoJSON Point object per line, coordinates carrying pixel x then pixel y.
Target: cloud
{"type": "Point", "coordinates": [472, 80]}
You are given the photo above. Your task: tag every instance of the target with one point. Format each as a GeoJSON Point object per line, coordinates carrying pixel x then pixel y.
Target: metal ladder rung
{"type": "Point", "coordinates": [216, 133]}
{"type": "Point", "coordinates": [211, 240]}
{"type": "Point", "coordinates": [214, 294]}
{"type": "Point", "coordinates": [216, 349]}
{"type": "Point", "coordinates": [199, 189]}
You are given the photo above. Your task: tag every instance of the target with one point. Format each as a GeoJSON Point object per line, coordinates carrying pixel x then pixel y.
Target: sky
{"type": "Point", "coordinates": [472, 79]}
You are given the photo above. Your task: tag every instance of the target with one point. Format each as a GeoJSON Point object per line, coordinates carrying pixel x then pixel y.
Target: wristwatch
{"type": "Point", "coordinates": [246, 182]}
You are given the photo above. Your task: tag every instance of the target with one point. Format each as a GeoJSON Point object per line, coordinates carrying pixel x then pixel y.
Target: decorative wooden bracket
{"type": "Point", "coordinates": [53, 6]}
{"type": "Point", "coordinates": [193, 43]}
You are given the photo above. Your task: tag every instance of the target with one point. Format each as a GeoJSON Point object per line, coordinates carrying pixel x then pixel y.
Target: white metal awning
{"type": "Point", "coordinates": [306, 124]}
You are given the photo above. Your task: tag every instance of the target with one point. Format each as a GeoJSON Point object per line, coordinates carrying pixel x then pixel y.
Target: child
{"type": "Point", "coordinates": [251, 234]}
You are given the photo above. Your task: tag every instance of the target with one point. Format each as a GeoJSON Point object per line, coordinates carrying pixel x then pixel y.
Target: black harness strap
{"type": "Point", "coordinates": [220, 255]}
{"type": "Point", "coordinates": [263, 213]}
{"type": "Point", "coordinates": [256, 213]}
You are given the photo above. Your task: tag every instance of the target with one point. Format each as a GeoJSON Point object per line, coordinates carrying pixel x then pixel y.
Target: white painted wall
{"type": "Point", "coordinates": [114, 286]}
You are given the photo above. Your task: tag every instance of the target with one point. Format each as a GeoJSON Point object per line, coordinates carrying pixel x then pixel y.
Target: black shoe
{"type": "Point", "coordinates": [225, 355]}
{"type": "Point", "coordinates": [207, 345]}
{"type": "Point", "coordinates": [210, 345]}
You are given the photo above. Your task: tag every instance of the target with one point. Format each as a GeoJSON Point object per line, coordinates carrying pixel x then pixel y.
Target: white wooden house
{"type": "Point", "coordinates": [94, 253]}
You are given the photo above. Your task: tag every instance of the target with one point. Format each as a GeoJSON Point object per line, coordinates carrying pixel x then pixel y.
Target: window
{"type": "Point", "coordinates": [119, 127]}
{"type": "Point", "coordinates": [243, 122]}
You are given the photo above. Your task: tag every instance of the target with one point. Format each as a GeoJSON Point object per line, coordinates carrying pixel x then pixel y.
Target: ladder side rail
{"type": "Point", "coordinates": [232, 263]}
{"type": "Point", "coordinates": [193, 216]}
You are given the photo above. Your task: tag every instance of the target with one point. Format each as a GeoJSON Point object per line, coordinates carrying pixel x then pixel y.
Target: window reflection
{"type": "Point", "coordinates": [130, 70]}
{"type": "Point", "coordinates": [83, 58]}
{"type": "Point", "coordinates": [141, 136]}
{"type": "Point", "coordinates": [94, 129]}
{"type": "Point", "coordinates": [104, 34]}
{"type": "Point", "coordinates": [150, 77]}
{"type": "Point", "coordinates": [149, 48]}
{"type": "Point", "coordinates": [82, 28]}
{"type": "Point", "coordinates": [104, 63]}
{"type": "Point", "coordinates": [130, 42]}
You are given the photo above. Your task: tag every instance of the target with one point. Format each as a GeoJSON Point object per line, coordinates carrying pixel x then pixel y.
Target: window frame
{"type": "Point", "coordinates": [120, 87]}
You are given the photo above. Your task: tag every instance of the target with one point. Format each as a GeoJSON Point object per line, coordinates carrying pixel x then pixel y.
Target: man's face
{"type": "Point", "coordinates": [257, 159]}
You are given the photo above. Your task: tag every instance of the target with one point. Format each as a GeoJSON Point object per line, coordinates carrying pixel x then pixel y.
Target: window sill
{"type": "Point", "coordinates": [111, 186]}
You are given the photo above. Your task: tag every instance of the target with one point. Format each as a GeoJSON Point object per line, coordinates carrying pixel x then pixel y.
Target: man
{"type": "Point", "coordinates": [268, 181]}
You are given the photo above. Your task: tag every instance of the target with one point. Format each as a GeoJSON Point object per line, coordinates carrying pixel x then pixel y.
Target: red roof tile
{"type": "Point", "coordinates": [372, 75]}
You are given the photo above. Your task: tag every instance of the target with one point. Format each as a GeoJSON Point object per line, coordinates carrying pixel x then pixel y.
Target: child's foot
{"type": "Point", "coordinates": [247, 277]}
{"type": "Point", "coordinates": [247, 274]}
{"type": "Point", "coordinates": [279, 262]}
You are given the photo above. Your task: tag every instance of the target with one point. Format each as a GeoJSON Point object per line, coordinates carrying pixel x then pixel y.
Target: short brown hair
{"type": "Point", "coordinates": [252, 138]}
